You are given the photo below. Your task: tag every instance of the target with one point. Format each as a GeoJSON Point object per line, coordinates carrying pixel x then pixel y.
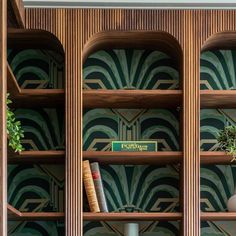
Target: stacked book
{"type": "Point", "coordinates": [94, 187]}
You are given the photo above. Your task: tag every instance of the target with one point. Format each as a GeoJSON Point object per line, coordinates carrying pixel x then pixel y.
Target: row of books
{"type": "Point", "coordinates": [94, 187]}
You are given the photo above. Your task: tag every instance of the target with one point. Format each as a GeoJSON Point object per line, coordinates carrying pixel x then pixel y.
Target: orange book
{"type": "Point", "coordinates": [90, 188]}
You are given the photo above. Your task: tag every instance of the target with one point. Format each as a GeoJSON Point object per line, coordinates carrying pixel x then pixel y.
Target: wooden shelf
{"type": "Point", "coordinates": [216, 157]}
{"type": "Point", "coordinates": [132, 98]}
{"type": "Point", "coordinates": [138, 158]}
{"type": "Point", "coordinates": [26, 98]}
{"type": "Point", "coordinates": [169, 216]}
{"type": "Point", "coordinates": [218, 216]}
{"type": "Point", "coordinates": [218, 99]}
{"type": "Point", "coordinates": [16, 215]}
{"type": "Point", "coordinates": [37, 157]}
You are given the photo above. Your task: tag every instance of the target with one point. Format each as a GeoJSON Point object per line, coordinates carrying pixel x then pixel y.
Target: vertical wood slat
{"type": "Point", "coordinates": [3, 136]}
{"type": "Point", "coordinates": [191, 127]}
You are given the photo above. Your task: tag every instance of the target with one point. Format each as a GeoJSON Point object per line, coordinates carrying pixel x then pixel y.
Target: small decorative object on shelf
{"type": "Point", "coordinates": [97, 179]}
{"type": "Point", "coordinates": [90, 188]}
{"type": "Point", "coordinates": [131, 229]}
{"type": "Point", "coordinates": [227, 141]}
{"type": "Point", "coordinates": [232, 203]}
{"type": "Point", "coordinates": [134, 146]}
{"type": "Point", "coordinates": [14, 130]}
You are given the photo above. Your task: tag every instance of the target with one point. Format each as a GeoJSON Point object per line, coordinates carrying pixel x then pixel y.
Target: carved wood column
{"type": "Point", "coordinates": [191, 126]}
{"type": "Point", "coordinates": [3, 137]}
{"type": "Point", "coordinates": [74, 113]}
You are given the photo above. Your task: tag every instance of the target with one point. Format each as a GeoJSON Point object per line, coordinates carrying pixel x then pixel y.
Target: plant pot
{"type": "Point", "coordinates": [232, 203]}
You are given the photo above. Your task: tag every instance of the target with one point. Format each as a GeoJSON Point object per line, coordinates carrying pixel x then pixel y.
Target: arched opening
{"type": "Point", "coordinates": [218, 84]}
{"type": "Point", "coordinates": [132, 92]}
{"type": "Point", "coordinates": [36, 175]}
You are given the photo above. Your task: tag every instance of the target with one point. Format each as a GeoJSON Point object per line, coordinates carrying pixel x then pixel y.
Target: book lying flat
{"type": "Point", "coordinates": [134, 146]}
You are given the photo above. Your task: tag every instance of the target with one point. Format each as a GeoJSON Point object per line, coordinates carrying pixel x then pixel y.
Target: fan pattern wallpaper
{"type": "Point", "coordinates": [218, 72]}
{"type": "Point", "coordinates": [38, 188]}
{"type": "Point", "coordinates": [132, 188]}
{"type": "Point", "coordinates": [34, 68]}
{"type": "Point", "coordinates": [128, 188]}
{"type": "Point", "coordinates": [130, 69]}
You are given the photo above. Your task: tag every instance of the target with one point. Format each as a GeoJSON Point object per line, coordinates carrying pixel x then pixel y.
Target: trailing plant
{"type": "Point", "coordinates": [227, 140]}
{"type": "Point", "coordinates": [14, 129]}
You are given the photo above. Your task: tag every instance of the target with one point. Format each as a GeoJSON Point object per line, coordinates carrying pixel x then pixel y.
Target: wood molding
{"type": "Point", "coordinates": [132, 98]}
{"type": "Point", "coordinates": [23, 39]}
{"type": "Point", "coordinates": [137, 4]}
{"type": "Point", "coordinates": [3, 135]}
{"type": "Point", "coordinates": [138, 158]}
{"type": "Point", "coordinates": [121, 216]}
{"type": "Point", "coordinates": [16, 215]}
{"type": "Point", "coordinates": [19, 12]}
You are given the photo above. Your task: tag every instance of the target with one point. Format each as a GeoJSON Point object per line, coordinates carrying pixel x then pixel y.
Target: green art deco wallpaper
{"type": "Point", "coordinates": [38, 188]}
{"type": "Point", "coordinates": [218, 72]}
{"type": "Point", "coordinates": [34, 68]}
{"type": "Point", "coordinates": [133, 188]}
{"type": "Point", "coordinates": [43, 128]}
{"type": "Point", "coordinates": [127, 187]}
{"type": "Point", "coordinates": [130, 69]}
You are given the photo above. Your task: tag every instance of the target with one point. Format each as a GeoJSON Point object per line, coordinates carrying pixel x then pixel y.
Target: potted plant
{"type": "Point", "coordinates": [227, 143]}
{"type": "Point", "coordinates": [14, 129]}
{"type": "Point", "coordinates": [227, 140]}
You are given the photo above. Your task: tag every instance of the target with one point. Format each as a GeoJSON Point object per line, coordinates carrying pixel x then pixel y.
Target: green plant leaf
{"type": "Point", "coordinates": [14, 129]}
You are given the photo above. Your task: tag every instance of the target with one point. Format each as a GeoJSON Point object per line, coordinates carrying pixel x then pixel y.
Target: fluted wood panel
{"type": "Point", "coordinates": [3, 138]}
{"type": "Point", "coordinates": [79, 30]}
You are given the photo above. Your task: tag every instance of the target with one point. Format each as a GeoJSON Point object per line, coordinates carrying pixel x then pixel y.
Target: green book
{"type": "Point", "coordinates": [134, 146]}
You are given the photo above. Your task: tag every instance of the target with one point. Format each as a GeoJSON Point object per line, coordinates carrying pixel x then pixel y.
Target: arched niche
{"type": "Point", "coordinates": [217, 83]}
{"type": "Point", "coordinates": [143, 40]}
{"type": "Point", "coordinates": [217, 62]}
{"type": "Point", "coordinates": [134, 39]}
{"type": "Point", "coordinates": [38, 53]}
{"type": "Point", "coordinates": [35, 82]}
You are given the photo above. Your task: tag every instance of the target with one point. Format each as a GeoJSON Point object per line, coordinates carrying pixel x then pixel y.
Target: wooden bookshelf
{"type": "Point", "coordinates": [218, 99]}
{"type": "Point", "coordinates": [218, 216]}
{"type": "Point", "coordinates": [216, 157]}
{"type": "Point", "coordinates": [16, 215]}
{"type": "Point", "coordinates": [192, 31]}
{"type": "Point", "coordinates": [132, 98]}
{"type": "Point", "coordinates": [163, 216]}
{"type": "Point", "coordinates": [137, 158]}
{"type": "Point", "coordinates": [27, 98]}
{"type": "Point", "coordinates": [36, 157]}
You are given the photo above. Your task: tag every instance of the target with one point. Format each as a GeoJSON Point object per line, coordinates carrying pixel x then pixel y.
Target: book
{"type": "Point", "coordinates": [97, 179]}
{"type": "Point", "coordinates": [134, 146]}
{"type": "Point", "coordinates": [90, 188]}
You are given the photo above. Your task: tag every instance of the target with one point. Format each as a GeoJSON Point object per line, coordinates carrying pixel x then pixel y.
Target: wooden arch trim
{"type": "Point", "coordinates": [155, 40]}
{"type": "Point", "coordinates": [30, 38]}
{"type": "Point", "coordinates": [222, 40]}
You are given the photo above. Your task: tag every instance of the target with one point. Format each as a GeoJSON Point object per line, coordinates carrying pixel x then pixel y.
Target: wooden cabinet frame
{"type": "Point", "coordinates": [3, 136]}
{"type": "Point", "coordinates": [79, 31]}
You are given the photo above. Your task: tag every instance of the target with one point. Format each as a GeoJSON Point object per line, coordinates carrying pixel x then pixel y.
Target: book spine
{"type": "Point", "coordinates": [99, 186]}
{"type": "Point", "coordinates": [90, 188]}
